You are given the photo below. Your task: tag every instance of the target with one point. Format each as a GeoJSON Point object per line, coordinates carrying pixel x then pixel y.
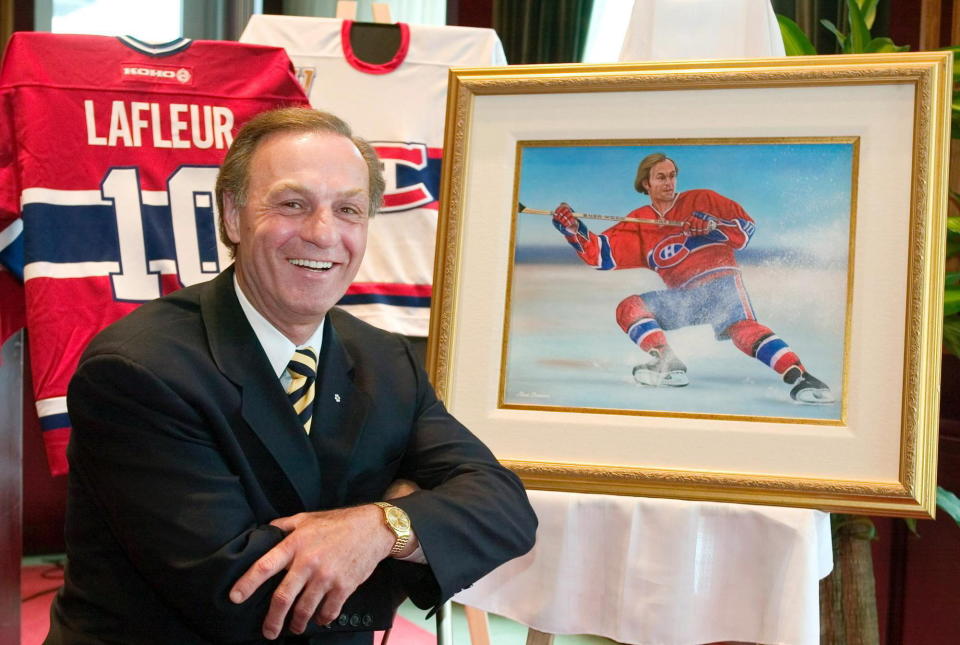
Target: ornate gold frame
{"type": "Point", "coordinates": [912, 490]}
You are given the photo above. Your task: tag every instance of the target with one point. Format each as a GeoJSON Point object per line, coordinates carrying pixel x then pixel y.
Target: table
{"type": "Point", "coordinates": [670, 572]}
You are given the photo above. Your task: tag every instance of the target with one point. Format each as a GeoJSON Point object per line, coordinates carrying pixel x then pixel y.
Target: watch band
{"type": "Point", "coordinates": [400, 545]}
{"type": "Point", "coordinates": [397, 521]}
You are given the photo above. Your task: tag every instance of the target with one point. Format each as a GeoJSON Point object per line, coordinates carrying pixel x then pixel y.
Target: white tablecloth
{"type": "Point", "coordinates": [668, 572]}
{"type": "Point", "coordinates": [674, 29]}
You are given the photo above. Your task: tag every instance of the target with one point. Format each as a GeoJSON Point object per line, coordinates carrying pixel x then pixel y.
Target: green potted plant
{"type": "Point", "coordinates": [848, 595]}
{"type": "Point", "coordinates": [860, 18]}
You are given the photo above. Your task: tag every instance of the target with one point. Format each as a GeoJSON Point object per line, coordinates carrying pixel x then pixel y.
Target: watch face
{"type": "Point", "coordinates": [397, 518]}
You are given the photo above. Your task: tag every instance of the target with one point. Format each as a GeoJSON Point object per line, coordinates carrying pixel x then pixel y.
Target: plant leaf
{"type": "Point", "coordinates": [881, 44]}
{"type": "Point", "coordinates": [841, 39]}
{"type": "Point", "coordinates": [949, 503]}
{"type": "Point", "coordinates": [795, 42]}
{"type": "Point", "coordinates": [951, 334]}
{"type": "Point", "coordinates": [869, 10]}
{"type": "Point", "coordinates": [859, 32]}
{"type": "Point", "coordinates": [951, 301]}
{"type": "Point", "coordinates": [953, 223]}
{"type": "Point", "coordinates": [912, 525]}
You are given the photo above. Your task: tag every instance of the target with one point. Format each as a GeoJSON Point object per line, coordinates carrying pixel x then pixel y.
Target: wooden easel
{"type": "Point", "coordinates": [479, 629]}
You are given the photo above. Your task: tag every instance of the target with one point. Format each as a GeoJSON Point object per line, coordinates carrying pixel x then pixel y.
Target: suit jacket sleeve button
{"type": "Point", "coordinates": [367, 620]}
{"type": "Point", "coordinates": [355, 620]}
{"type": "Point", "coordinates": [342, 620]}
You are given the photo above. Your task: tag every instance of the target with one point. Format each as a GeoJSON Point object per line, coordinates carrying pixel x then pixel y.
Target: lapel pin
{"type": "Point", "coordinates": [336, 397]}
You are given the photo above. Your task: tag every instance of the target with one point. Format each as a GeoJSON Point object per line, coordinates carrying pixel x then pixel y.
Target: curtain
{"type": "Point", "coordinates": [542, 32]}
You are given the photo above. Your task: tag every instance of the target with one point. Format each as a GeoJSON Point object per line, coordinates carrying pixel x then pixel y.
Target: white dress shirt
{"type": "Point", "coordinates": [278, 348]}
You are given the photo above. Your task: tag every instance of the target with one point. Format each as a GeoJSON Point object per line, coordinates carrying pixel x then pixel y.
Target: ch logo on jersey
{"type": "Point", "coordinates": [673, 250]}
{"type": "Point", "coordinates": [670, 252]}
{"type": "Point", "coordinates": [412, 175]}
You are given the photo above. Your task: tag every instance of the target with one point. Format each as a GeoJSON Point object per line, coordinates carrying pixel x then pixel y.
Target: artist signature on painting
{"type": "Point", "coordinates": [533, 395]}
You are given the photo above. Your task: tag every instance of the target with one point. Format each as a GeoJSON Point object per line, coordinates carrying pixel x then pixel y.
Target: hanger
{"type": "Point", "coordinates": [374, 42]}
{"type": "Point", "coordinates": [347, 10]}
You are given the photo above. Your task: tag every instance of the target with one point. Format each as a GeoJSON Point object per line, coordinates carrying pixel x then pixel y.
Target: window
{"type": "Point", "coordinates": [149, 20]}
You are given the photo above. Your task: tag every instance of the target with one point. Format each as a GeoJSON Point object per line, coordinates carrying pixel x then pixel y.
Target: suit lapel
{"type": "Point", "coordinates": [338, 417]}
{"type": "Point", "coordinates": [265, 407]}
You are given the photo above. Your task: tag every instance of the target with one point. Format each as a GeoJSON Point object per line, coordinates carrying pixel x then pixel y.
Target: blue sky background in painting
{"type": "Point", "coordinates": [799, 194]}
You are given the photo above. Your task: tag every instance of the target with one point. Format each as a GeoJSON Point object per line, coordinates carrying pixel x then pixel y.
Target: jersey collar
{"type": "Point", "coordinates": [372, 68]}
{"type": "Point", "coordinates": [155, 49]}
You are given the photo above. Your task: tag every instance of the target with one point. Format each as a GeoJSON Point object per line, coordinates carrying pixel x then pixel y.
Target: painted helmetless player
{"type": "Point", "coordinates": [697, 262]}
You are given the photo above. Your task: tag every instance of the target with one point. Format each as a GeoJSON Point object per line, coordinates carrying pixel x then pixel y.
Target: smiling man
{"type": "Point", "coordinates": [235, 443]}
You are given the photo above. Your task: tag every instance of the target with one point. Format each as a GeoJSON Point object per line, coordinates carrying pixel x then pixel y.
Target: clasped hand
{"type": "Point", "coordinates": [327, 554]}
{"type": "Point", "coordinates": [325, 559]}
{"type": "Point", "coordinates": [701, 223]}
{"type": "Point", "coordinates": [564, 219]}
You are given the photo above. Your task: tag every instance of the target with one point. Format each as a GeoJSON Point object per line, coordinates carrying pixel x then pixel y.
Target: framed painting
{"type": "Point", "coordinates": [705, 280]}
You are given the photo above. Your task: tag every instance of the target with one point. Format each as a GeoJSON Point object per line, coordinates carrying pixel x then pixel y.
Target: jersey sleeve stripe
{"type": "Point", "coordinates": [51, 406]}
{"type": "Point", "coordinates": [606, 254]}
{"type": "Point", "coordinates": [388, 288]}
{"type": "Point", "coordinates": [61, 270]}
{"type": "Point", "coordinates": [55, 422]}
{"type": "Point", "coordinates": [384, 299]}
{"type": "Point", "coordinates": [84, 197]}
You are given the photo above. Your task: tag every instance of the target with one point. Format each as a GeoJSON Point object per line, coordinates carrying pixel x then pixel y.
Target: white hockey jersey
{"type": "Point", "coordinates": [399, 107]}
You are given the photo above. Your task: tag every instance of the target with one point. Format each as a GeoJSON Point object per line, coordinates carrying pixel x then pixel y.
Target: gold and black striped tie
{"type": "Point", "coordinates": [303, 375]}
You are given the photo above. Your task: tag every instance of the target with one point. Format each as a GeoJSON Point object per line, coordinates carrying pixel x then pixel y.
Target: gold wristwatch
{"type": "Point", "coordinates": [399, 522]}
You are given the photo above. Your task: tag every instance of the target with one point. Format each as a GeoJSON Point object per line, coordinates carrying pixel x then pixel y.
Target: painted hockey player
{"type": "Point", "coordinates": [690, 240]}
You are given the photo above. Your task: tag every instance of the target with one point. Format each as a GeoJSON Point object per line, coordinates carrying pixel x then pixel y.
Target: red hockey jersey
{"type": "Point", "coordinates": [678, 258]}
{"type": "Point", "coordinates": [109, 149]}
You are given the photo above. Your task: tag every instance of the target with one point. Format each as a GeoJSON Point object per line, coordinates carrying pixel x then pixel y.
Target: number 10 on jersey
{"type": "Point", "coordinates": [189, 196]}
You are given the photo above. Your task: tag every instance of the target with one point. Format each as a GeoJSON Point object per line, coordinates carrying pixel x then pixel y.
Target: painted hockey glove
{"type": "Point", "coordinates": [702, 224]}
{"type": "Point", "coordinates": [567, 224]}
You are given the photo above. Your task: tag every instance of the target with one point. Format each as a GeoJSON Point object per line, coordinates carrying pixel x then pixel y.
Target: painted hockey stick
{"type": "Point", "coordinates": [611, 218]}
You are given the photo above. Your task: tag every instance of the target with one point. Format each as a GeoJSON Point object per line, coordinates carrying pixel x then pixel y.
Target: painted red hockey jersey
{"type": "Point", "coordinates": [678, 258]}
{"type": "Point", "coordinates": [109, 149]}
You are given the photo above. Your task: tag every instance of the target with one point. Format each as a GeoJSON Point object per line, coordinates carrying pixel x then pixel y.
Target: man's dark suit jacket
{"type": "Point", "coordinates": [185, 447]}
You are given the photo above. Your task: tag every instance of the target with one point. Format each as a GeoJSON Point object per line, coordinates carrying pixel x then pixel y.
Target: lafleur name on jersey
{"type": "Point", "coordinates": [134, 124]}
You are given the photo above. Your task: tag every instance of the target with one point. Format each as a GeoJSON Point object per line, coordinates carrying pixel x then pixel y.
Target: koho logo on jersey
{"type": "Point", "coordinates": [156, 73]}
{"type": "Point", "coordinates": [412, 175]}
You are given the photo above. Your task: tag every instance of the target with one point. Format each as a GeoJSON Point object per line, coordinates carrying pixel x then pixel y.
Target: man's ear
{"type": "Point", "coordinates": [231, 217]}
